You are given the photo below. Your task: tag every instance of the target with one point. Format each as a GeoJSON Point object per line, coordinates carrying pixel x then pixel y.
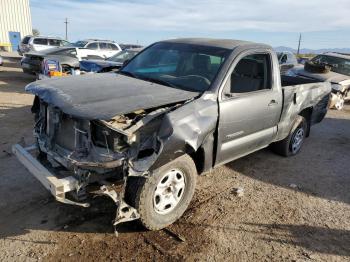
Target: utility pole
{"type": "Point", "coordinates": [66, 22]}
{"type": "Point", "coordinates": [299, 44]}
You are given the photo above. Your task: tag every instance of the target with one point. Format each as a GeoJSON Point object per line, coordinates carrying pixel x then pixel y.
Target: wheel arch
{"type": "Point", "coordinates": [307, 114]}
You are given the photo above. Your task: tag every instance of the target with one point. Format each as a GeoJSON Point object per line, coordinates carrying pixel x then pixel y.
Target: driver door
{"type": "Point", "coordinates": [250, 107]}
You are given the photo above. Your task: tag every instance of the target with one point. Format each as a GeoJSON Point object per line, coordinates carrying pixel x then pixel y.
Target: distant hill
{"type": "Point", "coordinates": [312, 51]}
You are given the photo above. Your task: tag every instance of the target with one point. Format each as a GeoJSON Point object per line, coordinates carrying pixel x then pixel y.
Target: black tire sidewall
{"type": "Point", "coordinates": [149, 217]}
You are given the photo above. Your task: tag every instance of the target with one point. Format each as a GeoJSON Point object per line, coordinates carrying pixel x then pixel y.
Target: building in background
{"type": "Point", "coordinates": [15, 23]}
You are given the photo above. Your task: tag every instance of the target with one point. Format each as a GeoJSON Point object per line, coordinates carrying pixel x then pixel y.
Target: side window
{"type": "Point", "coordinates": [113, 47]}
{"type": "Point", "coordinates": [104, 46]}
{"type": "Point", "coordinates": [40, 41]}
{"type": "Point", "coordinates": [54, 42]}
{"type": "Point", "coordinates": [290, 59]}
{"type": "Point", "coordinates": [284, 59]}
{"type": "Point", "coordinates": [252, 73]}
{"type": "Point", "coordinates": [64, 43]}
{"type": "Point", "coordinates": [93, 46]}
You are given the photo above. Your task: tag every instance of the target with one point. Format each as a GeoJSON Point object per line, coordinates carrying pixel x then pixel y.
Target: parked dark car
{"type": "Point", "coordinates": [109, 64]}
{"type": "Point", "coordinates": [179, 108]}
{"type": "Point", "coordinates": [66, 56]}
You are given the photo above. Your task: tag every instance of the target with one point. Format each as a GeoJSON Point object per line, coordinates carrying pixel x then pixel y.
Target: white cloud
{"type": "Point", "coordinates": [192, 15]}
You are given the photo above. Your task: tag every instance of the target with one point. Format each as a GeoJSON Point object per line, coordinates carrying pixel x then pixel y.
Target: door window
{"type": "Point", "coordinates": [93, 46]}
{"type": "Point", "coordinates": [54, 42]}
{"type": "Point", "coordinates": [252, 73]}
{"type": "Point", "coordinates": [104, 46]}
{"type": "Point", "coordinates": [113, 47]}
{"type": "Point", "coordinates": [40, 41]}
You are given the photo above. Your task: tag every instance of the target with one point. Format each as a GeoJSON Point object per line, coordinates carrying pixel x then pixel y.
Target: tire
{"type": "Point", "coordinates": [292, 144]}
{"type": "Point", "coordinates": [146, 194]}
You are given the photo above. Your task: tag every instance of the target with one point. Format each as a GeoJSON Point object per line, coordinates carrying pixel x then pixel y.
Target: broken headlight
{"type": "Point", "coordinates": [105, 137]}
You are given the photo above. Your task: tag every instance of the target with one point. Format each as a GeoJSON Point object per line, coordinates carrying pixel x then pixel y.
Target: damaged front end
{"type": "Point", "coordinates": [93, 156]}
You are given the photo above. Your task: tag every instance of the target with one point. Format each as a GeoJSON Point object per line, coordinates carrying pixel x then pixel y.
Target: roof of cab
{"type": "Point", "coordinates": [222, 43]}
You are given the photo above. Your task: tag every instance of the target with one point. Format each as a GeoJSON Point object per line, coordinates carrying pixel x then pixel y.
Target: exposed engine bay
{"type": "Point", "coordinates": [85, 146]}
{"type": "Point", "coordinates": [96, 151]}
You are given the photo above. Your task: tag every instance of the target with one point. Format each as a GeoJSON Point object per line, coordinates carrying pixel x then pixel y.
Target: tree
{"type": "Point", "coordinates": [35, 32]}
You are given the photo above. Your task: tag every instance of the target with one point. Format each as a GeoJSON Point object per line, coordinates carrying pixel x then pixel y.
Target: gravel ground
{"type": "Point", "coordinates": [292, 209]}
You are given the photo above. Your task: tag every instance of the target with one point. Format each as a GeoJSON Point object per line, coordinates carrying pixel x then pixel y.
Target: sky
{"type": "Point", "coordinates": [322, 23]}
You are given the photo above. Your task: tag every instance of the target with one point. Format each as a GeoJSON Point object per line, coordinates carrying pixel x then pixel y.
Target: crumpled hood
{"type": "Point", "coordinates": [103, 96]}
{"type": "Point", "coordinates": [327, 77]}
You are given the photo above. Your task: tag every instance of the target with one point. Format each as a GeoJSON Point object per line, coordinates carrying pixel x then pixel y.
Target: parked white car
{"type": "Point", "coordinates": [94, 48]}
{"type": "Point", "coordinates": [39, 43]}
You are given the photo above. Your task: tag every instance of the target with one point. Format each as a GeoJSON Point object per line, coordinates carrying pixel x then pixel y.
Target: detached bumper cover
{"type": "Point", "coordinates": [57, 186]}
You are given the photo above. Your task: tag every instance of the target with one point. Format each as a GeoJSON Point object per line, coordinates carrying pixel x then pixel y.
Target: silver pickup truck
{"type": "Point", "coordinates": [177, 109]}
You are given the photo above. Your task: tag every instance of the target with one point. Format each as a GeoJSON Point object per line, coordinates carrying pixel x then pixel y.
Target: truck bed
{"type": "Point", "coordinates": [296, 80]}
{"type": "Point", "coordinates": [300, 95]}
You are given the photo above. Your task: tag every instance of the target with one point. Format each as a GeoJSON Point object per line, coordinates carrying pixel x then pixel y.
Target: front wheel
{"type": "Point", "coordinates": [163, 198]}
{"type": "Point", "coordinates": [292, 144]}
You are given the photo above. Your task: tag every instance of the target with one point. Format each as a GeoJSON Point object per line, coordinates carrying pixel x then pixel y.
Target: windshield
{"type": "Point", "coordinates": [80, 44]}
{"type": "Point", "coordinates": [123, 56]}
{"type": "Point", "coordinates": [338, 64]}
{"type": "Point", "coordinates": [186, 66]}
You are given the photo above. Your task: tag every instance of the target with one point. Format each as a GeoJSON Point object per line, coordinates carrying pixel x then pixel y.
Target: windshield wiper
{"type": "Point", "coordinates": [159, 81]}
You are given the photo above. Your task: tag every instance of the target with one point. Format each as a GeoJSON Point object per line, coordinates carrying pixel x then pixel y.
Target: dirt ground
{"type": "Point", "coordinates": [272, 221]}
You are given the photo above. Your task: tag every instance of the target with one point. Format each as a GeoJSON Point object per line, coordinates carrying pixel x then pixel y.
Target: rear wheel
{"type": "Point", "coordinates": [292, 144]}
{"type": "Point", "coordinates": [164, 197]}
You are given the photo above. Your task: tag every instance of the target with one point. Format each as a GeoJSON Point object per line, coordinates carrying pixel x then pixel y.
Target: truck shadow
{"type": "Point", "coordinates": [321, 169]}
{"type": "Point", "coordinates": [313, 238]}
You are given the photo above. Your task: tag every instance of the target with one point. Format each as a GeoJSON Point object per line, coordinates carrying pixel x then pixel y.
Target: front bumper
{"type": "Point", "coordinates": [58, 187]}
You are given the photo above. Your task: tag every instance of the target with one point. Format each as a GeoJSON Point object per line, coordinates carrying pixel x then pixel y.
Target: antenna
{"type": "Point", "coordinates": [66, 22]}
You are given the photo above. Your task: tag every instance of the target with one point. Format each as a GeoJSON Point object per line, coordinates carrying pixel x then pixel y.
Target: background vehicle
{"type": "Point", "coordinates": [303, 60]}
{"type": "Point", "coordinates": [40, 43]}
{"type": "Point", "coordinates": [287, 60]}
{"type": "Point", "coordinates": [1, 61]}
{"type": "Point", "coordinates": [179, 108]}
{"type": "Point", "coordinates": [333, 68]}
{"type": "Point", "coordinates": [66, 56]}
{"type": "Point", "coordinates": [94, 48]}
{"type": "Point", "coordinates": [130, 46]}
{"type": "Point", "coordinates": [112, 63]}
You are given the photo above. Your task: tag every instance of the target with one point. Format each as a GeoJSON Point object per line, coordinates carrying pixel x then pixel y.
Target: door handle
{"type": "Point", "coordinates": [273, 102]}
